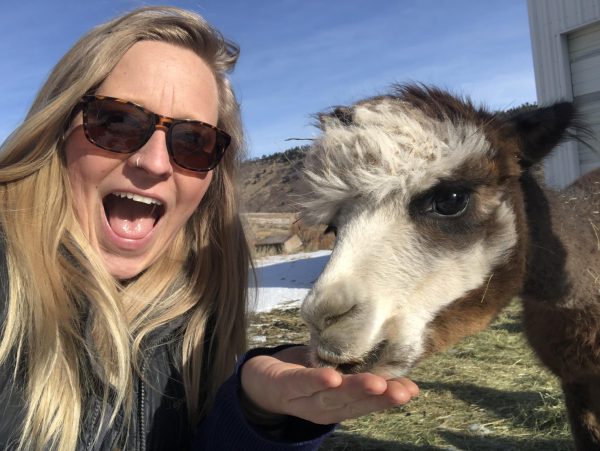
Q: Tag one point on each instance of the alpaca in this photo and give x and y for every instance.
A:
(440, 223)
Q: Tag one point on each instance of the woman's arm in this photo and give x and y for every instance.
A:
(275, 402)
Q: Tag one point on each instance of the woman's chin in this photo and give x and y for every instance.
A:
(124, 268)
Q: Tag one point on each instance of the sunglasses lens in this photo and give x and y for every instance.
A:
(195, 146)
(116, 126)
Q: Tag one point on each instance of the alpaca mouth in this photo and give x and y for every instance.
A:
(360, 365)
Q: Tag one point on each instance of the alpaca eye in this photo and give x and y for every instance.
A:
(450, 203)
(330, 229)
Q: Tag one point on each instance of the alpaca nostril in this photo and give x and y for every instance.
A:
(328, 304)
(332, 319)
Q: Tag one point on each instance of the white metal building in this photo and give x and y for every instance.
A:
(565, 39)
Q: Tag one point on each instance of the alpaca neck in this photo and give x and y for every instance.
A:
(545, 277)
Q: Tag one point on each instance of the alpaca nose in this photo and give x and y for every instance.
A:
(325, 307)
(333, 318)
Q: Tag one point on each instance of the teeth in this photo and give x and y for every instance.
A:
(138, 198)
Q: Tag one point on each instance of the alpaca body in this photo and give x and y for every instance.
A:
(561, 297)
(561, 294)
(439, 225)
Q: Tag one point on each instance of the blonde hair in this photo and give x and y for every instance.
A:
(65, 313)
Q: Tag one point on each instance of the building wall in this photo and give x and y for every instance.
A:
(550, 23)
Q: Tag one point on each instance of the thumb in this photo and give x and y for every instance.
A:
(308, 381)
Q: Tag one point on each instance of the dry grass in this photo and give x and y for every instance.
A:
(487, 393)
(259, 226)
(313, 236)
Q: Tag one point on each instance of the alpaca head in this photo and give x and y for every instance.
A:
(422, 190)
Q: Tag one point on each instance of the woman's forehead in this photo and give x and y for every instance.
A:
(168, 79)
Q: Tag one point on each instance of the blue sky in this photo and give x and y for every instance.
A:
(300, 57)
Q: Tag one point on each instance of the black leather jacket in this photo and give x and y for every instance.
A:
(159, 417)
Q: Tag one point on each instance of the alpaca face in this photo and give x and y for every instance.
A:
(423, 218)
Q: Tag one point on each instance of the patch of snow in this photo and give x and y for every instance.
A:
(282, 281)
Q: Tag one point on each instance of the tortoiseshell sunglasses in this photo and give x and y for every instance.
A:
(121, 126)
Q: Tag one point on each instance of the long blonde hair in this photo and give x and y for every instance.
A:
(56, 279)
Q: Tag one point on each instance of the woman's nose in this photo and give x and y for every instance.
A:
(153, 156)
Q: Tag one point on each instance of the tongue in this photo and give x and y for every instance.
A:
(130, 219)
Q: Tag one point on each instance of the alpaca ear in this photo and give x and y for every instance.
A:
(339, 116)
(540, 130)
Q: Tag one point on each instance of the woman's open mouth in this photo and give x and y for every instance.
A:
(132, 216)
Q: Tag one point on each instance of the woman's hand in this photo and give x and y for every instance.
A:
(283, 384)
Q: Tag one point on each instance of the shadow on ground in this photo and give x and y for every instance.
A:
(456, 442)
(517, 407)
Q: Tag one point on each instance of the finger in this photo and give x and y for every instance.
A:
(407, 384)
(308, 409)
(396, 395)
(325, 410)
(392, 398)
(356, 387)
(302, 384)
(392, 394)
(364, 384)
(353, 388)
(305, 382)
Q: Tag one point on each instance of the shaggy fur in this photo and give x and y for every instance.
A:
(407, 279)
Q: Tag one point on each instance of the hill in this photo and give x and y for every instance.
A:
(273, 184)
(272, 188)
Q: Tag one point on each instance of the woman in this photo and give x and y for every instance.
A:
(125, 264)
